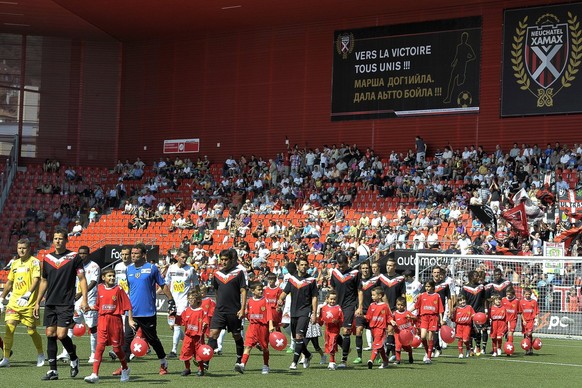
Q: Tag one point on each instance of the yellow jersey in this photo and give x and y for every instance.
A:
(22, 274)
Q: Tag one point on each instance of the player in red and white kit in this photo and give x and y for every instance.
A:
(272, 293)
(260, 325)
(430, 310)
(498, 317)
(528, 308)
(180, 278)
(195, 322)
(378, 317)
(111, 303)
(463, 318)
(403, 319)
(332, 316)
(511, 304)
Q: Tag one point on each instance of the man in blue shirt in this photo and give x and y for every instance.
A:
(142, 279)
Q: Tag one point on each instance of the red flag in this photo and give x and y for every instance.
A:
(517, 218)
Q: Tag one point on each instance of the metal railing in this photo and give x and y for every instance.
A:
(9, 172)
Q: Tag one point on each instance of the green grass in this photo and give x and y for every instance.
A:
(557, 364)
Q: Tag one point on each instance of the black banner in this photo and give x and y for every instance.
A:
(542, 54)
(404, 70)
(112, 253)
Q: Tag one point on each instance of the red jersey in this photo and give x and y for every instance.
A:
(332, 317)
(112, 301)
(259, 311)
(194, 321)
(497, 313)
(511, 308)
(404, 320)
(528, 309)
(272, 295)
(429, 304)
(208, 304)
(463, 315)
(378, 315)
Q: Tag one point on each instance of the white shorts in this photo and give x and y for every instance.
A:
(89, 318)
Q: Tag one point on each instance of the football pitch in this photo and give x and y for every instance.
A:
(557, 364)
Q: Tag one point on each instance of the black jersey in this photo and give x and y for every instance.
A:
(228, 286)
(394, 287)
(346, 286)
(476, 296)
(302, 291)
(497, 288)
(60, 272)
(366, 286)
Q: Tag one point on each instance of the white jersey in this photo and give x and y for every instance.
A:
(121, 276)
(92, 273)
(412, 291)
(180, 280)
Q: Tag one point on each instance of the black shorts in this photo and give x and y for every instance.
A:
(361, 321)
(60, 316)
(349, 314)
(299, 326)
(226, 321)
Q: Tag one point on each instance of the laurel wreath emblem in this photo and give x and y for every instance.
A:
(574, 61)
(576, 56)
(517, 57)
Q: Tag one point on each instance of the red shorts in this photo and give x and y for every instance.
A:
(527, 326)
(378, 337)
(331, 342)
(190, 347)
(463, 332)
(511, 326)
(429, 322)
(257, 334)
(498, 329)
(110, 330)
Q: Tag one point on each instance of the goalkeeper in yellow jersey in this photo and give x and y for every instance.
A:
(23, 281)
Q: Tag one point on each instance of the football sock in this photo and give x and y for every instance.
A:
(369, 337)
(8, 339)
(374, 354)
(436, 343)
(298, 350)
(510, 338)
(121, 356)
(1, 343)
(398, 354)
(315, 342)
(332, 357)
(69, 347)
(93, 339)
(359, 345)
(390, 344)
(484, 338)
(240, 348)
(51, 351)
(221, 338)
(425, 345)
(98, 357)
(245, 358)
(176, 338)
(212, 343)
(430, 347)
(345, 347)
(460, 346)
(384, 356)
(187, 364)
(36, 340)
(266, 357)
